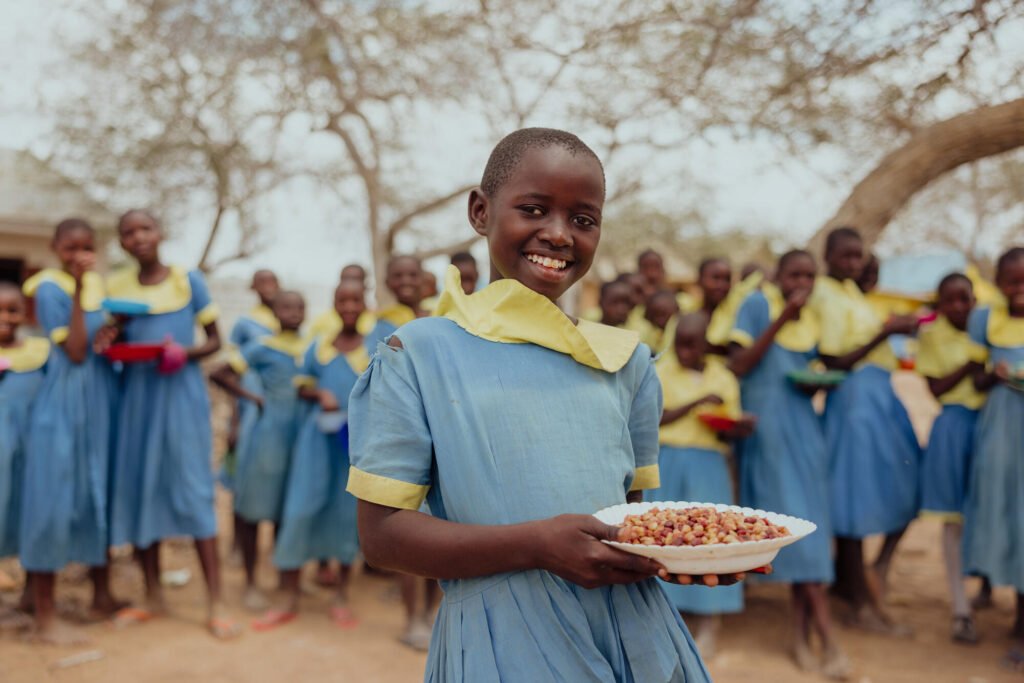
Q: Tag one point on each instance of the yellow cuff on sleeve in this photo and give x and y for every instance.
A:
(742, 338)
(942, 516)
(208, 314)
(392, 493)
(647, 477)
(301, 381)
(59, 335)
(977, 352)
(236, 361)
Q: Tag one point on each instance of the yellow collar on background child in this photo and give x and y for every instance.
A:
(262, 315)
(30, 355)
(173, 294)
(508, 312)
(1004, 330)
(358, 358)
(288, 342)
(397, 315)
(799, 335)
(724, 317)
(92, 286)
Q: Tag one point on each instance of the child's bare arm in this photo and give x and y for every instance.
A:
(568, 545)
(984, 380)
(208, 347)
(940, 385)
(672, 414)
(743, 360)
(901, 324)
(228, 380)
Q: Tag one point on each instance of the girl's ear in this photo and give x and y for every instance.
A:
(479, 206)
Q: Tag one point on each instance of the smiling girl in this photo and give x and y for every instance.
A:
(516, 423)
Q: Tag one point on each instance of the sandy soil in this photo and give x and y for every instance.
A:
(754, 645)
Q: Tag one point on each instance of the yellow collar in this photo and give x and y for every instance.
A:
(397, 315)
(290, 343)
(262, 315)
(92, 286)
(358, 358)
(30, 355)
(1004, 330)
(508, 312)
(799, 335)
(173, 294)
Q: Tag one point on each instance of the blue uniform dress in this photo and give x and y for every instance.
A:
(994, 519)
(19, 385)
(265, 450)
(874, 455)
(163, 476)
(259, 322)
(391, 318)
(693, 465)
(784, 463)
(942, 350)
(509, 415)
(319, 519)
(65, 503)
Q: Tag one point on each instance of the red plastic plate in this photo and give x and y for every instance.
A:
(134, 353)
(719, 423)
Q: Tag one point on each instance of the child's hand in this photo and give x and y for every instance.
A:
(81, 264)
(1002, 371)
(902, 324)
(796, 301)
(104, 338)
(711, 400)
(258, 401)
(328, 401)
(570, 546)
(173, 358)
(743, 428)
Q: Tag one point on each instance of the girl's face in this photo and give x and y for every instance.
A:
(846, 260)
(73, 243)
(715, 281)
(798, 274)
(290, 310)
(868, 280)
(469, 276)
(349, 303)
(660, 310)
(1010, 280)
(405, 280)
(140, 236)
(616, 304)
(653, 269)
(266, 286)
(691, 346)
(956, 299)
(543, 225)
(12, 314)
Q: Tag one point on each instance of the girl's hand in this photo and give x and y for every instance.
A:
(711, 400)
(173, 358)
(570, 546)
(901, 324)
(744, 427)
(328, 401)
(1002, 371)
(104, 338)
(81, 264)
(796, 301)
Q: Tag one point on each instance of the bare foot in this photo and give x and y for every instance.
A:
(220, 625)
(804, 657)
(873, 620)
(836, 665)
(254, 600)
(417, 636)
(132, 616)
(273, 618)
(58, 632)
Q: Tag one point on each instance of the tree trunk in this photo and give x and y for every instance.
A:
(928, 154)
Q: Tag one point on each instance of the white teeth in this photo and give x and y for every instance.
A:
(546, 261)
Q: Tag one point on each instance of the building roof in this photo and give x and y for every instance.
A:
(34, 197)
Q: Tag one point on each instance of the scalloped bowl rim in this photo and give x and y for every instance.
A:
(798, 528)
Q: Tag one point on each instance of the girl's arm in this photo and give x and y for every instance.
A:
(568, 545)
(900, 324)
(984, 381)
(76, 346)
(227, 379)
(672, 414)
(742, 361)
(326, 399)
(208, 347)
(941, 385)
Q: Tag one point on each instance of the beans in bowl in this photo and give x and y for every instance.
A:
(696, 526)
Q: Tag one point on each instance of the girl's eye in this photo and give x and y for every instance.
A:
(532, 210)
(584, 221)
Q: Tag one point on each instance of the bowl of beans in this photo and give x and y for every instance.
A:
(703, 538)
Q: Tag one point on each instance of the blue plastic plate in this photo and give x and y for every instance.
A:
(125, 307)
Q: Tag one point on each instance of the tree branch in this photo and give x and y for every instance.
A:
(403, 221)
(448, 249)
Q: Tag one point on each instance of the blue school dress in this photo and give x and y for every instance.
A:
(693, 466)
(65, 503)
(259, 322)
(19, 385)
(784, 463)
(319, 519)
(942, 350)
(163, 477)
(874, 456)
(994, 513)
(501, 411)
(264, 451)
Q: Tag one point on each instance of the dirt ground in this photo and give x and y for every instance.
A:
(754, 645)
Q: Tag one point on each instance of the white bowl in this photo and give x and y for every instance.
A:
(331, 422)
(717, 558)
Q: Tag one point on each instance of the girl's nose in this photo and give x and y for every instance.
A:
(557, 233)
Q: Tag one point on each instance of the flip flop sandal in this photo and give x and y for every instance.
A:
(343, 617)
(223, 628)
(272, 619)
(130, 616)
